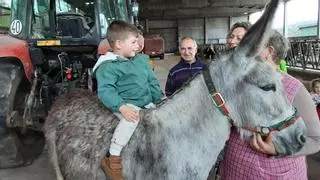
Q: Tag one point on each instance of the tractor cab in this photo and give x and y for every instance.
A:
(70, 21)
(51, 47)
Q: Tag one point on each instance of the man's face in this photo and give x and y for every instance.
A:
(129, 46)
(188, 50)
(235, 37)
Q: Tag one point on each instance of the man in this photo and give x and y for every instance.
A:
(186, 68)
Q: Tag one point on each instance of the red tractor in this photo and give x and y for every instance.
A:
(51, 47)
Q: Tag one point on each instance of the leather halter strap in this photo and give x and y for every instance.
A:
(214, 95)
(265, 131)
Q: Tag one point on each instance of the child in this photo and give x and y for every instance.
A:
(316, 94)
(316, 91)
(126, 83)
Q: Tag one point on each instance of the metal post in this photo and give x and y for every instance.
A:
(318, 21)
(147, 25)
(177, 29)
(129, 5)
(285, 14)
(205, 30)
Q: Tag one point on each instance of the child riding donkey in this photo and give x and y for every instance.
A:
(126, 83)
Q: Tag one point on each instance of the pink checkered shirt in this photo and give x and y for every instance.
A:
(241, 162)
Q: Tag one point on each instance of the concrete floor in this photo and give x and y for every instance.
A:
(41, 169)
(313, 162)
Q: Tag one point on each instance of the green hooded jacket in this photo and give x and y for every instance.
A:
(122, 81)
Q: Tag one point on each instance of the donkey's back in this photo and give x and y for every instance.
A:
(80, 143)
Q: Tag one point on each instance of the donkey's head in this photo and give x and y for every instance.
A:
(254, 92)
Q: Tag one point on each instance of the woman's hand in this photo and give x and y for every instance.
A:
(265, 146)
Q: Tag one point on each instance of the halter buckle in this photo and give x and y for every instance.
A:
(218, 100)
(264, 130)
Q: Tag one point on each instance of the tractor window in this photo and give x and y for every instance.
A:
(74, 19)
(40, 19)
(4, 16)
(62, 6)
(65, 18)
(18, 26)
(120, 9)
(111, 10)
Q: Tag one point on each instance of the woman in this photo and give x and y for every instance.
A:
(236, 33)
(257, 159)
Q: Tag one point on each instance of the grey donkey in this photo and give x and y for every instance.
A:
(182, 137)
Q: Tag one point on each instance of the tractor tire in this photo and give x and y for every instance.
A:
(15, 148)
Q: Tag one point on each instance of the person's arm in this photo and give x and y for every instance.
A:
(170, 85)
(107, 92)
(154, 84)
(307, 110)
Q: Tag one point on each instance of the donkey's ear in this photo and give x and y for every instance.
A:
(255, 37)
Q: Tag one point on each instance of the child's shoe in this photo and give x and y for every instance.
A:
(112, 167)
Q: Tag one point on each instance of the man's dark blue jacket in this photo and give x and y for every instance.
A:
(180, 73)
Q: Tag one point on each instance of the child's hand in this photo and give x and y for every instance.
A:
(128, 113)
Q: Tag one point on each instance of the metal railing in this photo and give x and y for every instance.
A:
(209, 51)
(304, 53)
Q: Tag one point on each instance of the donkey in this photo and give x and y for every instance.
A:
(182, 137)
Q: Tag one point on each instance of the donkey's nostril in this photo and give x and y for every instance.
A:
(301, 139)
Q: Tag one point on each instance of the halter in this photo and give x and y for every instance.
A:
(219, 102)
(265, 131)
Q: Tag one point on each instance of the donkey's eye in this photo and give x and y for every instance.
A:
(269, 87)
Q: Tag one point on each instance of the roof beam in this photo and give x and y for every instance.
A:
(172, 9)
(195, 13)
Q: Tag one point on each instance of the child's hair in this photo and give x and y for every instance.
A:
(120, 30)
(314, 83)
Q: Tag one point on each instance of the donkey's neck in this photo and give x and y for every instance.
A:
(191, 131)
(191, 105)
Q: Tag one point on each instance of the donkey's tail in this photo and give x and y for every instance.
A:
(52, 149)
